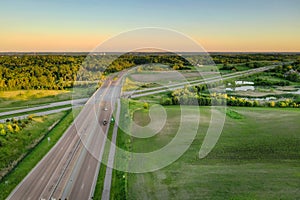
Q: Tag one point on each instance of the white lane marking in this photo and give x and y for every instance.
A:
(82, 186)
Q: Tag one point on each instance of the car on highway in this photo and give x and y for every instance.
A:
(104, 122)
(105, 109)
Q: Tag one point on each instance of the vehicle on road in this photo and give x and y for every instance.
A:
(104, 122)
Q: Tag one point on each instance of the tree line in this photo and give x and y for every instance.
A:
(236, 58)
(60, 71)
(38, 72)
(199, 96)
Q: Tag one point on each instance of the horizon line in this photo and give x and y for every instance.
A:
(32, 52)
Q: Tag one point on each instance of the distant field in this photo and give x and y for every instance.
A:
(30, 94)
(164, 76)
(147, 78)
(256, 157)
(17, 99)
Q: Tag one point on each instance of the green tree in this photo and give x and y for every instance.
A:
(146, 105)
(3, 132)
(10, 128)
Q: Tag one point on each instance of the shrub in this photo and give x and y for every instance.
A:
(146, 105)
(23, 125)
(14, 120)
(282, 104)
(272, 104)
(255, 103)
(10, 128)
(30, 117)
(3, 132)
(166, 101)
(17, 128)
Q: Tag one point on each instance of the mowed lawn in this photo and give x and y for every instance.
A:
(18, 99)
(256, 157)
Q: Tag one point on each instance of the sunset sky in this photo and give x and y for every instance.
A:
(218, 25)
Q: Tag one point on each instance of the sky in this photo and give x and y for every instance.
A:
(217, 25)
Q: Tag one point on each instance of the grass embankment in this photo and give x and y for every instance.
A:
(131, 85)
(14, 145)
(256, 157)
(18, 99)
(102, 171)
(36, 153)
(119, 178)
(30, 94)
(11, 100)
(35, 111)
(119, 186)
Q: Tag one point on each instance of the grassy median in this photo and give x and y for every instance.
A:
(102, 170)
(21, 99)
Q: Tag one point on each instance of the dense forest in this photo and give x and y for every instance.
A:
(60, 71)
(30, 71)
(38, 72)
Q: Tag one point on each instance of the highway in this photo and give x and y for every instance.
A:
(69, 170)
(160, 89)
(111, 157)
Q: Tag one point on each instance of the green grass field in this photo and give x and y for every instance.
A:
(28, 98)
(14, 145)
(256, 157)
(18, 99)
(35, 153)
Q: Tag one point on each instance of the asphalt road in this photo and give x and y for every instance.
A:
(69, 170)
(37, 114)
(156, 90)
(111, 156)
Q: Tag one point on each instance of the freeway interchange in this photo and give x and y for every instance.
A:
(70, 169)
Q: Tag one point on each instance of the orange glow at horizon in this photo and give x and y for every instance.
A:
(73, 43)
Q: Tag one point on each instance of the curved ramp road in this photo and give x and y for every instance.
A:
(160, 89)
(51, 105)
(37, 114)
(69, 170)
